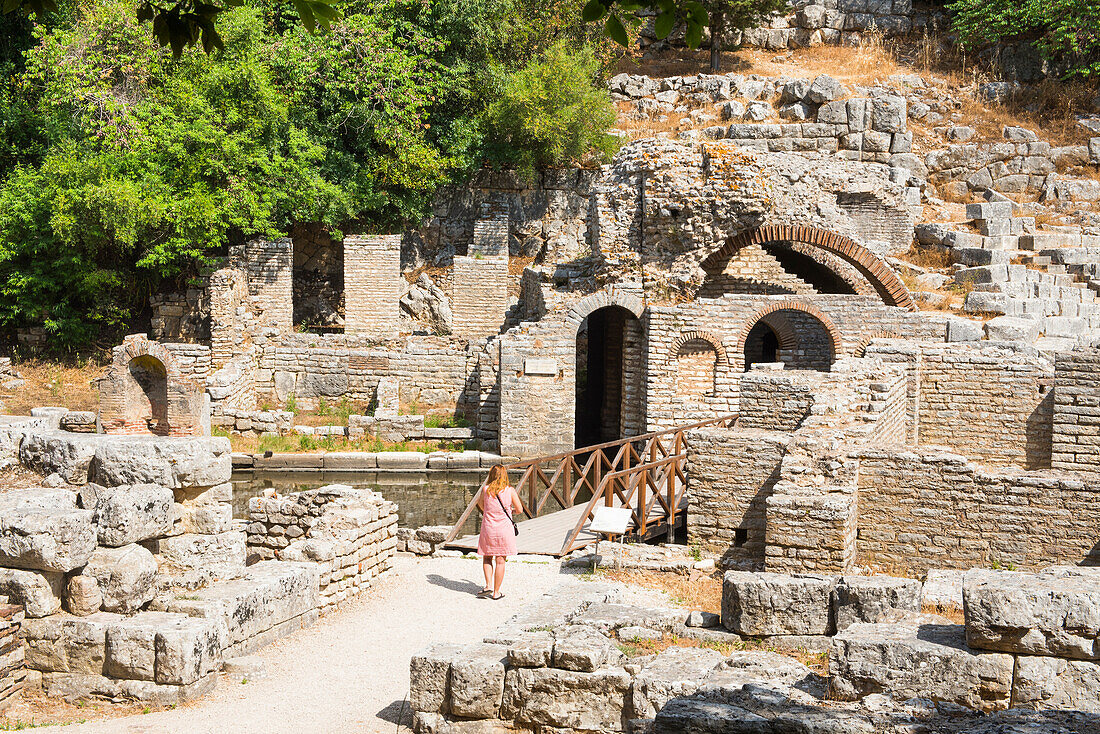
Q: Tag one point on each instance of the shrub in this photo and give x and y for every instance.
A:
(554, 112)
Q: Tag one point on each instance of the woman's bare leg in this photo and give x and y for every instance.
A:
(499, 577)
(487, 567)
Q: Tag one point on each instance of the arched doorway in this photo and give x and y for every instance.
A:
(148, 399)
(792, 334)
(608, 364)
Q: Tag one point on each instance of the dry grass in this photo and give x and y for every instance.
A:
(18, 477)
(695, 591)
(952, 613)
(325, 444)
(35, 709)
(818, 662)
(54, 383)
(933, 258)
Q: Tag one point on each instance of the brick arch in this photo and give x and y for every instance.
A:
(885, 281)
(138, 345)
(706, 336)
(784, 332)
(588, 305)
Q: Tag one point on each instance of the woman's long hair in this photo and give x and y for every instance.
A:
(497, 481)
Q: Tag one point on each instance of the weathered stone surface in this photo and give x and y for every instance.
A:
(692, 716)
(888, 114)
(1056, 612)
(675, 672)
(77, 686)
(41, 529)
(38, 591)
(609, 617)
(222, 554)
(751, 668)
(776, 604)
(943, 588)
(82, 596)
(60, 452)
(532, 650)
(873, 598)
(477, 681)
(68, 644)
(565, 698)
(168, 462)
(428, 673)
(923, 658)
(188, 648)
(583, 648)
(269, 593)
(125, 515)
(245, 668)
(1012, 329)
(638, 634)
(125, 576)
(1054, 683)
(825, 89)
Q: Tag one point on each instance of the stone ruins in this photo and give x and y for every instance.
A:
(906, 490)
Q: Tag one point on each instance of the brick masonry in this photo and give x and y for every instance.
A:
(1076, 430)
(479, 300)
(373, 285)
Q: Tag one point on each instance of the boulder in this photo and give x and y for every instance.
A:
(1055, 612)
(42, 529)
(825, 89)
(776, 604)
(1054, 683)
(873, 598)
(174, 463)
(38, 591)
(82, 596)
(125, 576)
(925, 657)
(549, 697)
(131, 514)
(675, 672)
(583, 648)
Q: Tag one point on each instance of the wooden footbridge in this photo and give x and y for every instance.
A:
(560, 492)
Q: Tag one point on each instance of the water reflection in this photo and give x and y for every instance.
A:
(423, 498)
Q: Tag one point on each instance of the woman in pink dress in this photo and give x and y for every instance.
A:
(497, 540)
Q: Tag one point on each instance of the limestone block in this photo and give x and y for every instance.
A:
(675, 672)
(477, 681)
(1012, 329)
(550, 697)
(73, 686)
(131, 514)
(82, 596)
(918, 659)
(985, 302)
(825, 89)
(961, 329)
(68, 644)
(41, 529)
(223, 554)
(79, 421)
(125, 576)
(174, 463)
(776, 604)
(60, 452)
(888, 114)
(754, 668)
(1054, 683)
(532, 650)
(188, 649)
(212, 519)
(1056, 612)
(794, 91)
(873, 598)
(691, 716)
(130, 651)
(582, 648)
(989, 210)
(429, 671)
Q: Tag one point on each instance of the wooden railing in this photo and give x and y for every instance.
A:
(643, 472)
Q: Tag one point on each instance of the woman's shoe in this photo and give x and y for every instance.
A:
(497, 597)
(484, 593)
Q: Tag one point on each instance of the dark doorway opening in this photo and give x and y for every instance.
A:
(761, 346)
(602, 365)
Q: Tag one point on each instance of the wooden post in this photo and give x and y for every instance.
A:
(643, 516)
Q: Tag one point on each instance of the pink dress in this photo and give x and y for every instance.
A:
(497, 537)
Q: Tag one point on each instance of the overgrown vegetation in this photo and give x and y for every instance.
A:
(122, 166)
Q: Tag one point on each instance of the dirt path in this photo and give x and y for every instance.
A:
(350, 671)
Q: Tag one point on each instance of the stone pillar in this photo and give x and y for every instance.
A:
(538, 391)
(479, 300)
(270, 267)
(811, 533)
(372, 285)
(490, 237)
(1075, 445)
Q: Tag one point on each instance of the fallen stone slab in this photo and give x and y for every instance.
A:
(761, 604)
(174, 463)
(38, 591)
(131, 514)
(925, 657)
(1055, 612)
(125, 576)
(551, 697)
(1054, 683)
(675, 672)
(873, 598)
(60, 452)
(41, 529)
(272, 599)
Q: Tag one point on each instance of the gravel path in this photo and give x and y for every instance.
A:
(350, 671)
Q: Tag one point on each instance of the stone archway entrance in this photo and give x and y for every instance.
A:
(608, 364)
(147, 401)
(799, 336)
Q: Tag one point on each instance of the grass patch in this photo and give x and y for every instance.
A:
(445, 421)
(695, 591)
(323, 444)
(67, 383)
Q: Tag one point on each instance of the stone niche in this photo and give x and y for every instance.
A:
(144, 392)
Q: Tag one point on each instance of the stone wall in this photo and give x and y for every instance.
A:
(538, 382)
(270, 269)
(991, 401)
(774, 400)
(479, 301)
(231, 324)
(349, 533)
(181, 316)
(933, 509)
(373, 285)
(1076, 429)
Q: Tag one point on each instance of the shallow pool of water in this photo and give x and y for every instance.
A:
(423, 498)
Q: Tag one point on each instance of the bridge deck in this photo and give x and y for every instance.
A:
(546, 535)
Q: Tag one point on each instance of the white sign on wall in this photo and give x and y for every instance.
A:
(540, 367)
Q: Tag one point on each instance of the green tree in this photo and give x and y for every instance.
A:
(1064, 31)
(553, 112)
(727, 15)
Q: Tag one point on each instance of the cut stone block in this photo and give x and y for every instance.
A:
(1054, 683)
(532, 650)
(75, 686)
(549, 697)
(222, 554)
(776, 604)
(125, 576)
(41, 529)
(68, 644)
(1012, 329)
(167, 462)
(675, 672)
(82, 596)
(583, 648)
(477, 681)
(429, 671)
(1056, 612)
(125, 515)
(38, 591)
(873, 598)
(918, 659)
(60, 452)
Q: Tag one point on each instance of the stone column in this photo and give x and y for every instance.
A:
(372, 285)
